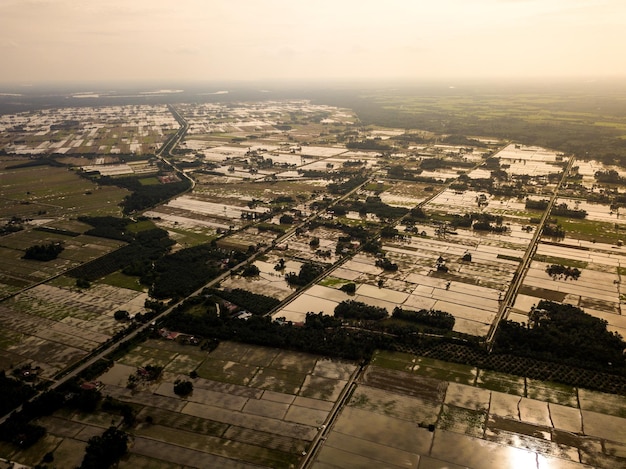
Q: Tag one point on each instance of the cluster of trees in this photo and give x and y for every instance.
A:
(469, 219)
(562, 271)
(286, 219)
(136, 258)
(144, 196)
(437, 163)
(105, 450)
(121, 315)
(308, 272)
(255, 303)
(179, 274)
(536, 204)
(389, 232)
(356, 232)
(146, 373)
(169, 276)
(386, 264)
(183, 387)
(109, 227)
(13, 225)
(368, 144)
(250, 270)
(18, 428)
(351, 309)
(13, 392)
(553, 231)
(402, 172)
(346, 186)
(416, 214)
(427, 317)
(564, 333)
(609, 176)
(563, 210)
(349, 288)
(43, 252)
(373, 205)
(479, 222)
(486, 226)
(320, 333)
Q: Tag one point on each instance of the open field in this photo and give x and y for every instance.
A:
(261, 170)
(409, 411)
(87, 130)
(53, 327)
(45, 192)
(250, 407)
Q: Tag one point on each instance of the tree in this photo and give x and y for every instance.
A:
(357, 310)
(286, 220)
(562, 271)
(250, 270)
(105, 450)
(183, 388)
(349, 288)
(43, 252)
(562, 332)
(280, 265)
(121, 315)
(308, 272)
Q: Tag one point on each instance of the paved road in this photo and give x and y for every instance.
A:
(509, 298)
(325, 429)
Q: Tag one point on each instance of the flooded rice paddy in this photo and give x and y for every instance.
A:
(260, 407)
(250, 407)
(411, 412)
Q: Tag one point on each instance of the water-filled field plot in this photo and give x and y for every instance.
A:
(268, 420)
(405, 411)
(52, 327)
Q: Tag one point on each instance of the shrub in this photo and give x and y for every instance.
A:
(43, 252)
(183, 388)
(349, 288)
(121, 315)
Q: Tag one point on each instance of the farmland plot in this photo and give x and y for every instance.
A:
(250, 407)
(409, 411)
(52, 327)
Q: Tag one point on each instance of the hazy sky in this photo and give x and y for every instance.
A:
(192, 40)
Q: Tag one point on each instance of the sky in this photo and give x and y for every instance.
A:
(308, 40)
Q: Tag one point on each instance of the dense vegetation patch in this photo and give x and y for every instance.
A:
(44, 252)
(558, 271)
(563, 210)
(609, 176)
(563, 333)
(351, 309)
(572, 124)
(340, 188)
(105, 450)
(136, 258)
(427, 317)
(308, 272)
(252, 302)
(14, 225)
(179, 274)
(144, 196)
(320, 333)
